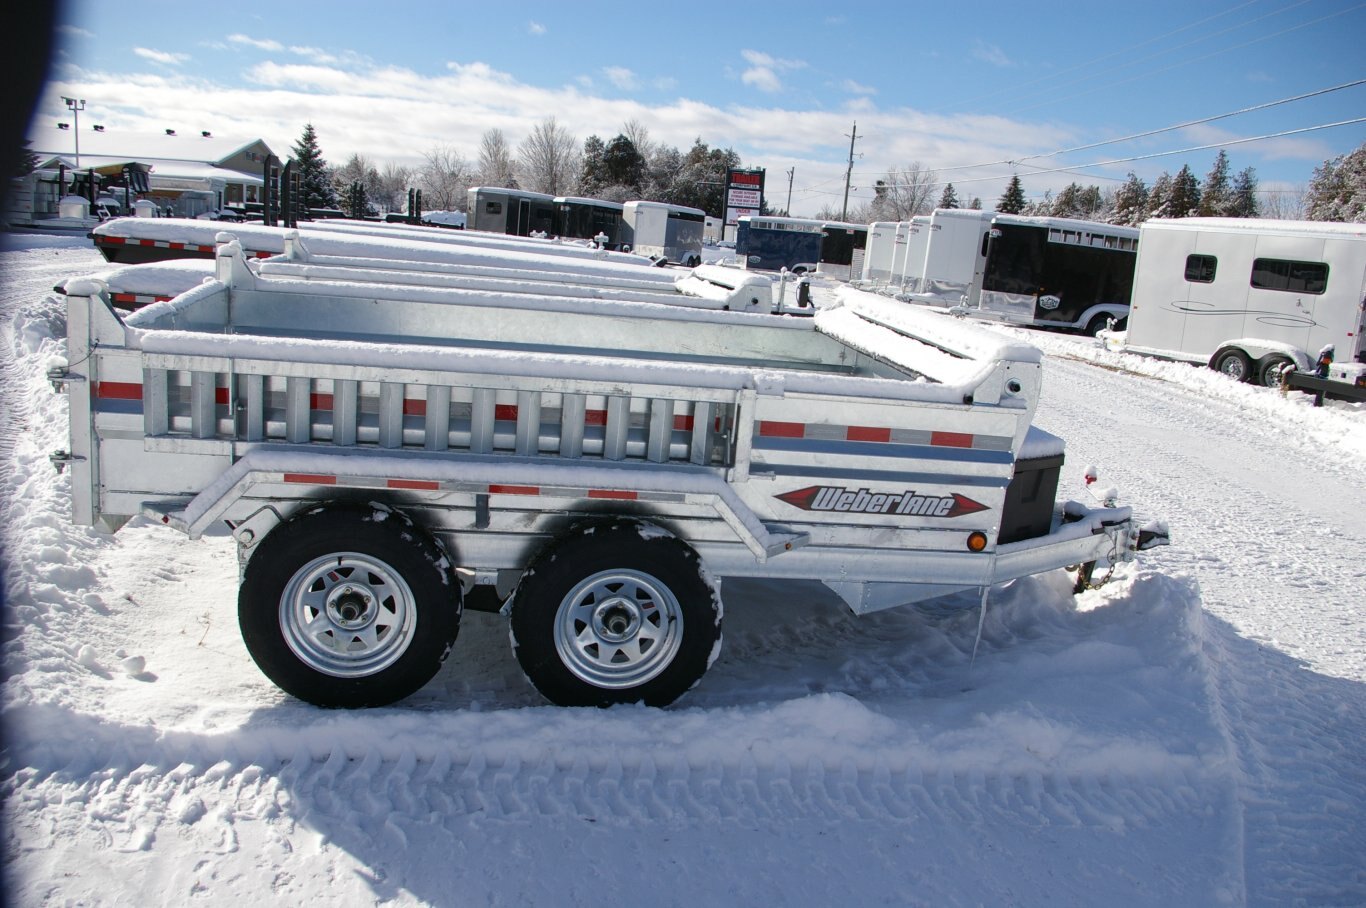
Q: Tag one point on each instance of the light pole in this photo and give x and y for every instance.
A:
(76, 106)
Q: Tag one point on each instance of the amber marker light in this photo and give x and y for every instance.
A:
(977, 541)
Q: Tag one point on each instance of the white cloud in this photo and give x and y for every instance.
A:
(535, 28)
(258, 43)
(74, 31)
(853, 87)
(764, 69)
(165, 58)
(621, 77)
(990, 53)
(316, 54)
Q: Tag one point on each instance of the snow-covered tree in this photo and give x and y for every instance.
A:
(357, 169)
(354, 200)
(1337, 191)
(624, 164)
(315, 182)
(1185, 196)
(392, 193)
(496, 166)
(446, 178)
(906, 192)
(701, 181)
(976, 203)
(949, 199)
(548, 159)
(1216, 193)
(1159, 197)
(1012, 201)
(1131, 202)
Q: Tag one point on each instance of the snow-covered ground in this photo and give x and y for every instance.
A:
(1191, 734)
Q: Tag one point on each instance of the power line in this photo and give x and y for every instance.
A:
(1149, 133)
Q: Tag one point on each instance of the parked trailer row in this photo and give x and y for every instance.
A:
(382, 451)
(801, 245)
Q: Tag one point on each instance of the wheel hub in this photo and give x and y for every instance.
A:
(616, 620)
(351, 607)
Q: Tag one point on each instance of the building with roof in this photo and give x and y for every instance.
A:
(183, 173)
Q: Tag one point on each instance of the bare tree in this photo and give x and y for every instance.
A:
(496, 166)
(548, 159)
(635, 130)
(906, 192)
(1282, 204)
(394, 181)
(445, 178)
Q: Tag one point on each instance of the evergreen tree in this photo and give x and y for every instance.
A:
(28, 160)
(1012, 201)
(624, 164)
(1159, 197)
(1243, 195)
(1338, 190)
(1185, 197)
(1216, 195)
(1067, 204)
(1090, 203)
(1131, 202)
(314, 180)
(949, 199)
(976, 203)
(594, 178)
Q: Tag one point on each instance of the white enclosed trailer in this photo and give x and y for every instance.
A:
(1249, 297)
(379, 452)
(912, 239)
(880, 253)
(669, 233)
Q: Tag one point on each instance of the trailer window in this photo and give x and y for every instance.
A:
(493, 207)
(1200, 268)
(1293, 277)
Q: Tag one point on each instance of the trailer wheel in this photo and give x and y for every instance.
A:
(1270, 368)
(1097, 324)
(1232, 362)
(349, 606)
(615, 613)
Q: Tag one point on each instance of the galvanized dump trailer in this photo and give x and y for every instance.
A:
(383, 454)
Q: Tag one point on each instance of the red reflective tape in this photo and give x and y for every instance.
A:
(423, 484)
(147, 242)
(414, 407)
(125, 297)
(868, 433)
(615, 494)
(220, 396)
(772, 429)
(111, 240)
(175, 245)
(683, 423)
(320, 402)
(507, 412)
(595, 417)
(951, 439)
(311, 479)
(514, 490)
(118, 390)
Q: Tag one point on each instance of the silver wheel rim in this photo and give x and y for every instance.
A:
(347, 615)
(618, 629)
(1232, 366)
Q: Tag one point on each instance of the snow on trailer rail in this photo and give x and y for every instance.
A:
(380, 451)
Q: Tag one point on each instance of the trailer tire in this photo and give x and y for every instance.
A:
(1232, 362)
(1270, 367)
(1097, 324)
(615, 612)
(349, 606)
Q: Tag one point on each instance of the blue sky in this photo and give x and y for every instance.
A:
(974, 91)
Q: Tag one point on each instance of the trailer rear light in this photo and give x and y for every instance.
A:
(977, 541)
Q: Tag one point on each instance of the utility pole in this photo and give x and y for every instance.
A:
(848, 174)
(792, 170)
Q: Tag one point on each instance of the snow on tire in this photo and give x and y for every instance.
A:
(615, 613)
(349, 606)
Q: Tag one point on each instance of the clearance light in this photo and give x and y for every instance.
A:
(977, 541)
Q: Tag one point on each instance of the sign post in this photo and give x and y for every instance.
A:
(744, 195)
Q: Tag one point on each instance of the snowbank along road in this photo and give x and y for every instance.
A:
(1191, 734)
